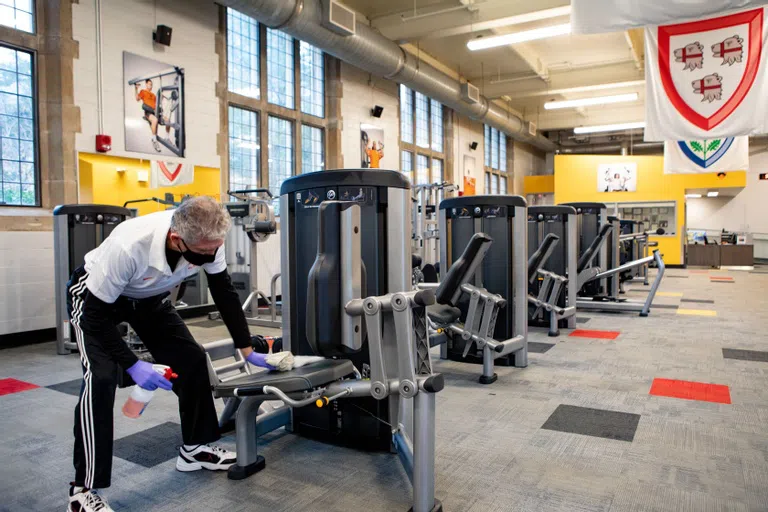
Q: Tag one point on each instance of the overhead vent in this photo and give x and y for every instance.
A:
(470, 93)
(338, 17)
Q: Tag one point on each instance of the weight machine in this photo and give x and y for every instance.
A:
(426, 234)
(171, 115)
(253, 212)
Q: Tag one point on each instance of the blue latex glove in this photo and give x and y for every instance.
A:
(258, 359)
(147, 378)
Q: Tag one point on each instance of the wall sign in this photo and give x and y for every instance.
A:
(619, 177)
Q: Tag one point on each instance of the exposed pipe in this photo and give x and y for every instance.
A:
(610, 148)
(371, 51)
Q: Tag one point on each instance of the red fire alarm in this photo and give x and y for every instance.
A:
(103, 143)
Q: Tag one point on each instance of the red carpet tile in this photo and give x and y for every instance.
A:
(720, 278)
(8, 386)
(603, 335)
(686, 390)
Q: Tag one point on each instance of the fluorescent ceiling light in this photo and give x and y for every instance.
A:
(713, 194)
(609, 127)
(484, 43)
(693, 196)
(586, 102)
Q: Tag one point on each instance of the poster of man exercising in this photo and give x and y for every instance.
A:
(154, 106)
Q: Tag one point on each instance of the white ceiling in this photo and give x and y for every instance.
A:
(522, 74)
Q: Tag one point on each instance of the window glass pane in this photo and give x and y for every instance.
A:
(312, 149)
(437, 170)
(422, 170)
(422, 120)
(487, 146)
(406, 163)
(244, 149)
(242, 54)
(312, 80)
(503, 186)
(494, 183)
(279, 68)
(487, 189)
(502, 152)
(436, 114)
(280, 156)
(406, 114)
(494, 148)
(19, 14)
(18, 130)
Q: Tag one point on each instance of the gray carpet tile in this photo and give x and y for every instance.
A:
(70, 387)
(536, 347)
(698, 301)
(664, 306)
(491, 453)
(669, 276)
(616, 425)
(745, 355)
(723, 282)
(152, 446)
(582, 319)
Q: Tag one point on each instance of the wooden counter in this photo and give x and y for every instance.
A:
(700, 255)
(737, 255)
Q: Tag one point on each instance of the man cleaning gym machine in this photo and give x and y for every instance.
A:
(128, 278)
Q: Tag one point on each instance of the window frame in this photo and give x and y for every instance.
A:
(417, 150)
(496, 173)
(265, 109)
(35, 123)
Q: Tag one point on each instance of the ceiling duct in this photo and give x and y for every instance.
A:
(374, 53)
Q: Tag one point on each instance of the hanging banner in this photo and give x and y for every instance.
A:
(707, 79)
(701, 156)
(597, 16)
(619, 177)
(170, 174)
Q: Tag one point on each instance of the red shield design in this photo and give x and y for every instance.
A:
(171, 175)
(754, 19)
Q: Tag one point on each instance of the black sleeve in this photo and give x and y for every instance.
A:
(98, 321)
(228, 303)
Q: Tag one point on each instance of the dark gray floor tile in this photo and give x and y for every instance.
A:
(698, 301)
(534, 347)
(593, 422)
(664, 306)
(582, 319)
(675, 277)
(70, 387)
(150, 447)
(744, 355)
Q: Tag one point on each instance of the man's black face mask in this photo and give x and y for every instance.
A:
(196, 258)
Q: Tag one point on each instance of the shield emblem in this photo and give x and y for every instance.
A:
(705, 153)
(707, 67)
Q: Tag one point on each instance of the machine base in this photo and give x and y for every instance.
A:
(241, 472)
(437, 508)
(643, 314)
(488, 380)
(553, 334)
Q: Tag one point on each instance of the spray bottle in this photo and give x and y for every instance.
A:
(140, 397)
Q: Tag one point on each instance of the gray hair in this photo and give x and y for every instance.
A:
(199, 219)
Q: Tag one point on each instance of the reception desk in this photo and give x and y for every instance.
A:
(699, 255)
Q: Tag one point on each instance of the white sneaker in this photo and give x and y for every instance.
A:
(86, 500)
(205, 456)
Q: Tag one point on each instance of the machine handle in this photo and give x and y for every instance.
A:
(263, 226)
(251, 191)
(155, 199)
(424, 297)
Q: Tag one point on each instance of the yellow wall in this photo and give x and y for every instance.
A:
(101, 183)
(576, 181)
(539, 184)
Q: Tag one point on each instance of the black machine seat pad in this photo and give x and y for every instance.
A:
(299, 379)
(443, 313)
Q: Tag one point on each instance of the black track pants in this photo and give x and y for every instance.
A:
(166, 336)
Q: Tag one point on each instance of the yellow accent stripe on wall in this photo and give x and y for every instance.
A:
(696, 312)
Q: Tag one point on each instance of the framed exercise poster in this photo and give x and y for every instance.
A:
(154, 106)
(619, 177)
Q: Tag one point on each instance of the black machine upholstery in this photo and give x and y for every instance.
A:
(539, 257)
(588, 255)
(443, 313)
(415, 260)
(299, 379)
(324, 304)
(456, 275)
